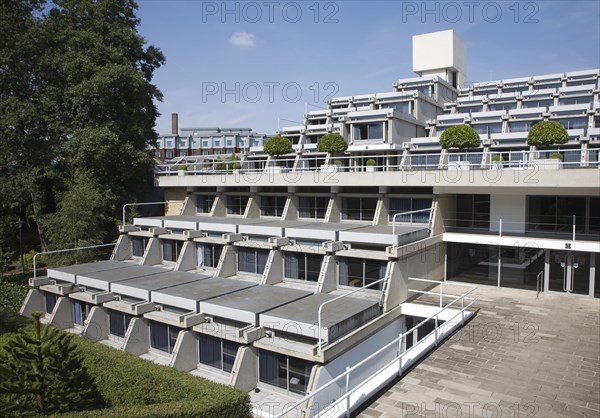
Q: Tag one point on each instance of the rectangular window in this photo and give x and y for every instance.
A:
(138, 245)
(473, 211)
(312, 207)
(289, 373)
(272, 205)
(81, 311)
(216, 352)
(365, 131)
(359, 208)
(359, 272)
(409, 204)
(163, 337)
(236, 205)
(252, 260)
(208, 255)
(555, 213)
(204, 203)
(50, 300)
(118, 323)
(171, 250)
(302, 266)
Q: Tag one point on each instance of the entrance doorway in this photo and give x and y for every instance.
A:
(569, 272)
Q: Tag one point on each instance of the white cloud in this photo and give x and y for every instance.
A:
(242, 39)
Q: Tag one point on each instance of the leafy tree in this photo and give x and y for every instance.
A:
(332, 143)
(547, 133)
(5, 260)
(41, 373)
(76, 94)
(278, 145)
(460, 136)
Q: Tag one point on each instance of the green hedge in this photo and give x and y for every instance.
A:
(134, 387)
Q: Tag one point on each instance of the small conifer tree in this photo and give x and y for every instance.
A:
(41, 372)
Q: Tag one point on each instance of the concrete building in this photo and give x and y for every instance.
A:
(294, 278)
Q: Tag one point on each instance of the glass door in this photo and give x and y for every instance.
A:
(569, 272)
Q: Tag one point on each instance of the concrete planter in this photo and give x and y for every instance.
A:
(548, 163)
(370, 169)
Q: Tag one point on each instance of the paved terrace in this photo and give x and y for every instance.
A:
(519, 357)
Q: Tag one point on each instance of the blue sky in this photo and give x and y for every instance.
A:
(250, 64)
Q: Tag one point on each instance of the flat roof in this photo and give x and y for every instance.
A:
(188, 296)
(246, 306)
(141, 287)
(69, 273)
(103, 279)
(301, 317)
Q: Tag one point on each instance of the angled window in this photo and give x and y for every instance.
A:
(359, 272)
(217, 352)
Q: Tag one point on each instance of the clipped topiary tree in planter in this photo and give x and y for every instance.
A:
(460, 136)
(332, 143)
(546, 133)
(278, 145)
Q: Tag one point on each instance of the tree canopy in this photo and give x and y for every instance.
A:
(460, 136)
(278, 145)
(333, 142)
(547, 133)
(77, 113)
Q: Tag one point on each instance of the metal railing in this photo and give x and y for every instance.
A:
(65, 251)
(392, 161)
(139, 204)
(503, 228)
(539, 283)
(338, 298)
(398, 342)
(394, 240)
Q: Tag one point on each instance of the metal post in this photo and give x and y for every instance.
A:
(347, 390)
(462, 308)
(573, 227)
(441, 294)
(500, 228)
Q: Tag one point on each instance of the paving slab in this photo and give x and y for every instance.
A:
(520, 356)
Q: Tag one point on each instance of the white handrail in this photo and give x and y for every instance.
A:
(384, 348)
(394, 243)
(340, 297)
(139, 204)
(64, 251)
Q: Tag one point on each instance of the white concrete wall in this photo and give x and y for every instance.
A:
(512, 209)
(350, 358)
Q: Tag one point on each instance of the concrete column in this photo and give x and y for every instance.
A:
(153, 253)
(290, 212)
(397, 290)
(253, 207)
(274, 268)
(137, 337)
(34, 302)
(123, 249)
(328, 277)
(62, 317)
(227, 263)
(187, 257)
(96, 327)
(219, 207)
(184, 353)
(333, 213)
(244, 375)
(381, 212)
(189, 206)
